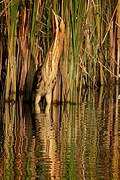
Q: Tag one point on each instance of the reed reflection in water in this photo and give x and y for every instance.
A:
(80, 141)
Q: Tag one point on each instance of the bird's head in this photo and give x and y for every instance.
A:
(59, 24)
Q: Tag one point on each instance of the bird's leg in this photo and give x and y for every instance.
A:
(48, 100)
(37, 100)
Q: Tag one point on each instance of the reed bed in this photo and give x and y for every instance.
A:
(91, 47)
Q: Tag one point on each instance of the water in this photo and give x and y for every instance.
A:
(75, 142)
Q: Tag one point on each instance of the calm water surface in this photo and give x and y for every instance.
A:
(74, 142)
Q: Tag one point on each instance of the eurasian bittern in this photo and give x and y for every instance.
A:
(45, 77)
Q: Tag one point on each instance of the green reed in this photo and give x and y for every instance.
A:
(90, 44)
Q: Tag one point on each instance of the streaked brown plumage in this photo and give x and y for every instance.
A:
(45, 76)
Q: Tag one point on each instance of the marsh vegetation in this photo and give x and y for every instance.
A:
(91, 47)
